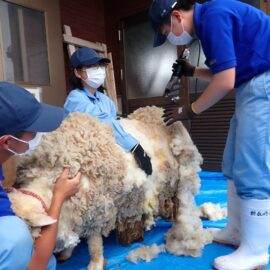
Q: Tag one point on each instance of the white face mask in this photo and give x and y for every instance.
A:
(183, 39)
(33, 144)
(95, 76)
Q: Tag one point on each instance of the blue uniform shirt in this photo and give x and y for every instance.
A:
(233, 34)
(1, 174)
(101, 107)
(5, 209)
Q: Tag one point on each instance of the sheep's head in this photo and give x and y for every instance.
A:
(29, 209)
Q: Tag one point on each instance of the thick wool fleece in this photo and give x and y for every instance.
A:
(83, 144)
(113, 188)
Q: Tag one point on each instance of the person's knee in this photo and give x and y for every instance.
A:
(21, 236)
(17, 245)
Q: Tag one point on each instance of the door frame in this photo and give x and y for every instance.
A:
(129, 105)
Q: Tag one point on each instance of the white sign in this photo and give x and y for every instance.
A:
(36, 92)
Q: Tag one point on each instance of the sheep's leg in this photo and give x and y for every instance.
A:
(95, 246)
(65, 254)
(130, 231)
(166, 209)
(176, 204)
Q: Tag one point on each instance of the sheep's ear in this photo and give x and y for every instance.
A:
(40, 220)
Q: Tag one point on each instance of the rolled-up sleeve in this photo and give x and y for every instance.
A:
(218, 41)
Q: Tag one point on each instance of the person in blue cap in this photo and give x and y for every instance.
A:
(235, 38)
(22, 121)
(89, 75)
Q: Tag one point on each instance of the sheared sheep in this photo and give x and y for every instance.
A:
(114, 192)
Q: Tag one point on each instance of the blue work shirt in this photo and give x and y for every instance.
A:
(233, 34)
(5, 205)
(101, 107)
(1, 173)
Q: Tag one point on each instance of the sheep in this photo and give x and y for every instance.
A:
(115, 193)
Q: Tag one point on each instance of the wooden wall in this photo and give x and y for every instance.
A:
(87, 21)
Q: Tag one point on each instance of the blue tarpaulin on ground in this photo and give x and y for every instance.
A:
(213, 189)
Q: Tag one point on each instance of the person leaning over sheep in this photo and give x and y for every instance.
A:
(22, 119)
(89, 75)
(235, 39)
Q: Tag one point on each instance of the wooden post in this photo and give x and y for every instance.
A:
(107, 81)
(113, 93)
(78, 42)
(110, 81)
(71, 48)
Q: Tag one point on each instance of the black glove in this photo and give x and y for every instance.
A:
(183, 68)
(174, 114)
(142, 159)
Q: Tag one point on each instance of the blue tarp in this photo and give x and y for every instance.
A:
(213, 189)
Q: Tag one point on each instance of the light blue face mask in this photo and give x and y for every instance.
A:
(183, 39)
(33, 144)
(95, 76)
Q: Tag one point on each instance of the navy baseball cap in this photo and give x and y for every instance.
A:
(160, 10)
(20, 111)
(86, 57)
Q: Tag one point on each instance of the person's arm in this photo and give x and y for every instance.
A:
(113, 109)
(182, 67)
(44, 245)
(220, 85)
(79, 102)
(203, 74)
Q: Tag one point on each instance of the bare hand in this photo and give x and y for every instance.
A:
(65, 186)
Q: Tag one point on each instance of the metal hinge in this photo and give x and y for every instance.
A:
(119, 35)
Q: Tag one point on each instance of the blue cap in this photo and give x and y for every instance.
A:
(86, 57)
(159, 10)
(20, 111)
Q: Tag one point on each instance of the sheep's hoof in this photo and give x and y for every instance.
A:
(100, 265)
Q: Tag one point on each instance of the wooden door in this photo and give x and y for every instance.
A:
(265, 6)
(145, 70)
